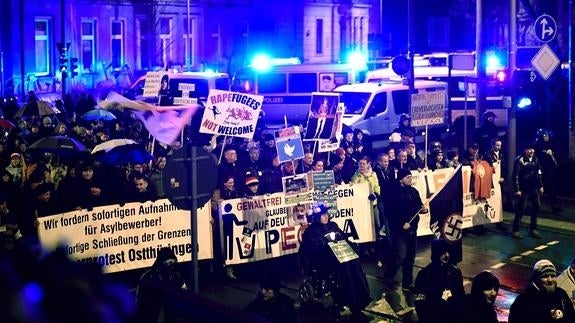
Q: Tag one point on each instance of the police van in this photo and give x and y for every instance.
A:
(287, 89)
(377, 107)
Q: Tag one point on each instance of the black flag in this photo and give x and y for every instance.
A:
(446, 211)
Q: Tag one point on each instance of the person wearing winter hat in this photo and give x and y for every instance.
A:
(405, 207)
(542, 301)
(252, 186)
(479, 304)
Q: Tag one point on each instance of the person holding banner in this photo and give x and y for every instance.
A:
(386, 179)
(405, 207)
(365, 174)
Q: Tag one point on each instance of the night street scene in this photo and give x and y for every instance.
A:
(287, 161)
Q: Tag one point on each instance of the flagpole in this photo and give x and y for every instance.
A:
(434, 195)
(222, 152)
(425, 161)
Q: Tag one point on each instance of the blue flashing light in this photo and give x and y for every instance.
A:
(493, 61)
(285, 61)
(357, 61)
(523, 103)
(262, 62)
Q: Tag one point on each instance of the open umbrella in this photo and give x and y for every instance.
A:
(39, 108)
(126, 155)
(59, 145)
(111, 144)
(98, 114)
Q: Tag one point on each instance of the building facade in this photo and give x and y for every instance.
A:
(116, 40)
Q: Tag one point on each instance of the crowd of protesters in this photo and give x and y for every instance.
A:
(45, 181)
(37, 183)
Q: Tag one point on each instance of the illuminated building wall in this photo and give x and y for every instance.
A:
(116, 40)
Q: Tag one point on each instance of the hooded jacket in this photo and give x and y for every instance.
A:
(476, 308)
(439, 291)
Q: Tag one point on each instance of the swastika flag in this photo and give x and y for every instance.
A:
(446, 211)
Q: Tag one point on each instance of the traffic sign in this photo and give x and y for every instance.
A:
(178, 183)
(545, 28)
(400, 65)
(545, 61)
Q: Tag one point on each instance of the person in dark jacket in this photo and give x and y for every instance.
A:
(154, 283)
(270, 303)
(479, 304)
(439, 291)
(542, 301)
(404, 124)
(545, 151)
(405, 207)
(486, 132)
(528, 187)
(141, 191)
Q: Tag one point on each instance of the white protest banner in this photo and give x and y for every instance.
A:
(260, 228)
(231, 114)
(125, 237)
(428, 108)
(475, 211)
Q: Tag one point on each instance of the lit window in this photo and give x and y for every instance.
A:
(143, 43)
(189, 31)
(117, 43)
(319, 36)
(166, 40)
(41, 48)
(88, 44)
